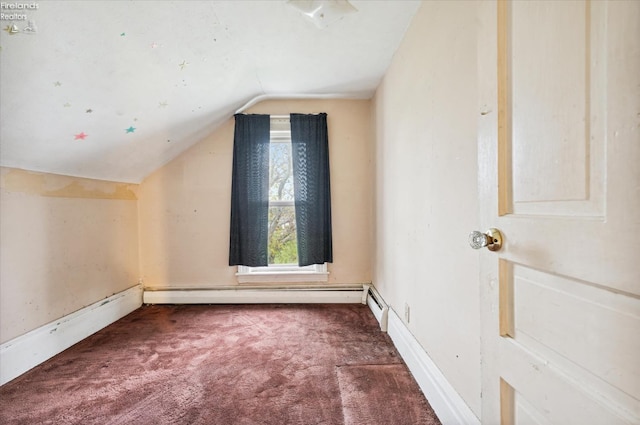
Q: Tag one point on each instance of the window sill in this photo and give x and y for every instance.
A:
(317, 273)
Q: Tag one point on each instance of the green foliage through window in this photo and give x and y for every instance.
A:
(283, 245)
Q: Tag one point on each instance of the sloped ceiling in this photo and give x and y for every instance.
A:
(113, 90)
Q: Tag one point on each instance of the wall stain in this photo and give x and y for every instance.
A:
(58, 186)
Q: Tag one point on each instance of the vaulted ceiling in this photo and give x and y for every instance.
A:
(113, 90)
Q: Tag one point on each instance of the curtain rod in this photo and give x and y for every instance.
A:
(286, 117)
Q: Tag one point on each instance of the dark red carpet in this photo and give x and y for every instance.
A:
(250, 364)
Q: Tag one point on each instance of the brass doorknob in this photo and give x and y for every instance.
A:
(492, 239)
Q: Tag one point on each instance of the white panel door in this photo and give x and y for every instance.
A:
(559, 175)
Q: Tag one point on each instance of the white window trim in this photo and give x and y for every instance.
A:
(283, 273)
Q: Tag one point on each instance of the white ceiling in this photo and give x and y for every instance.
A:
(101, 67)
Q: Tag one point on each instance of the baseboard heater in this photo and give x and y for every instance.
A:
(377, 305)
(258, 295)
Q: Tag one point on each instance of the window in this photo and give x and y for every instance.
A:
(283, 241)
(282, 237)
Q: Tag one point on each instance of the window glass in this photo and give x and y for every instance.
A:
(280, 171)
(283, 245)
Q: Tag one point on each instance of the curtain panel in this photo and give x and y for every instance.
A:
(310, 148)
(250, 191)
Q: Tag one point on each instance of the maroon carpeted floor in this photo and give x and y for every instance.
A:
(250, 364)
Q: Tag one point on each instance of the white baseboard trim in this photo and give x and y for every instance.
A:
(445, 400)
(29, 350)
(254, 296)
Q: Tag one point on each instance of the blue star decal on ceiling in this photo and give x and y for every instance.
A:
(130, 129)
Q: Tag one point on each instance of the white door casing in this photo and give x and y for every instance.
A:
(559, 175)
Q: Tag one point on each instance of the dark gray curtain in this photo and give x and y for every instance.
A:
(310, 147)
(250, 191)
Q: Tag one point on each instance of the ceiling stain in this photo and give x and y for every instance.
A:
(56, 186)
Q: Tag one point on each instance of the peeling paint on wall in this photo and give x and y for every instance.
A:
(57, 186)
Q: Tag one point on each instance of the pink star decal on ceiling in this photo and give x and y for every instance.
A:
(80, 136)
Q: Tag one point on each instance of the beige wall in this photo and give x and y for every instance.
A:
(65, 243)
(185, 206)
(68, 242)
(426, 189)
